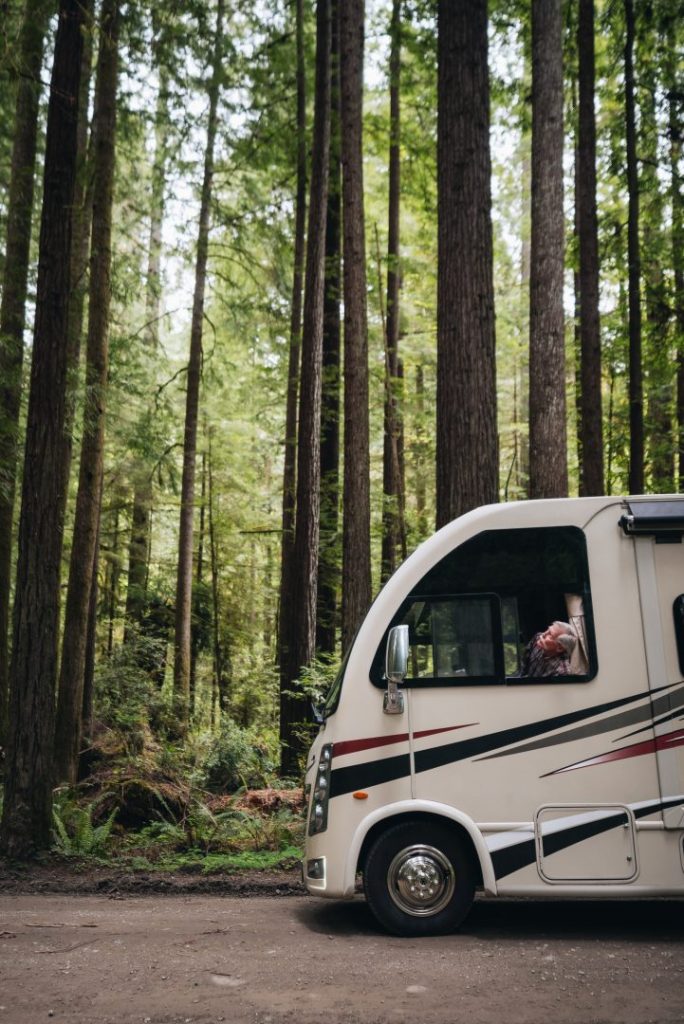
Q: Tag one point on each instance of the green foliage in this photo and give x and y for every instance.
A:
(127, 698)
(75, 834)
(236, 758)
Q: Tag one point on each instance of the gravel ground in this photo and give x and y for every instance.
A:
(189, 957)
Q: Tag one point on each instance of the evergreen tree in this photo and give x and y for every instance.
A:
(548, 439)
(27, 808)
(356, 562)
(467, 450)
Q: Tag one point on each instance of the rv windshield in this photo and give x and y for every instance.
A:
(333, 699)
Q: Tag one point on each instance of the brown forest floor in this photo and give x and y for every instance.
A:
(54, 875)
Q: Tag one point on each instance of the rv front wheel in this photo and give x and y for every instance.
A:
(419, 879)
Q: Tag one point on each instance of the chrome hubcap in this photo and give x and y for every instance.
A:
(421, 880)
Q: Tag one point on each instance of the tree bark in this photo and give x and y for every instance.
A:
(13, 307)
(328, 565)
(143, 490)
(290, 461)
(70, 697)
(421, 457)
(467, 446)
(676, 132)
(112, 581)
(199, 572)
(659, 368)
(181, 668)
(153, 288)
(590, 428)
(393, 527)
(636, 411)
(89, 670)
(26, 819)
(548, 433)
(137, 551)
(356, 560)
(221, 681)
(303, 608)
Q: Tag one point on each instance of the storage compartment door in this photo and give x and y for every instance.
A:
(585, 843)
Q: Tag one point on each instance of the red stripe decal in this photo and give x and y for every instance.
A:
(665, 742)
(353, 746)
(448, 728)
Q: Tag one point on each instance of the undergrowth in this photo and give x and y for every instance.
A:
(214, 806)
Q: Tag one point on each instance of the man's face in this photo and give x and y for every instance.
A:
(548, 641)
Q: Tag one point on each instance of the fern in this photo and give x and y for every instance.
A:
(81, 838)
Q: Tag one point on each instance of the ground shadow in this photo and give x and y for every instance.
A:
(657, 920)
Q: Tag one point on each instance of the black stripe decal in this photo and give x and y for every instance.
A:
(556, 841)
(521, 855)
(657, 805)
(370, 773)
(619, 721)
(376, 771)
(511, 858)
(679, 713)
(435, 757)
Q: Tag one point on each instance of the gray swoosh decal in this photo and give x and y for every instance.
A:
(644, 713)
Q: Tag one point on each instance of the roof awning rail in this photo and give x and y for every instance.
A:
(663, 520)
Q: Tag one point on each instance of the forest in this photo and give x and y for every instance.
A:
(284, 287)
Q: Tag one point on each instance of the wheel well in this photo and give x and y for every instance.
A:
(417, 817)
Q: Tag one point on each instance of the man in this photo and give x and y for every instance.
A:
(548, 653)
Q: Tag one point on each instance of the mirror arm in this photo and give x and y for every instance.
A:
(393, 701)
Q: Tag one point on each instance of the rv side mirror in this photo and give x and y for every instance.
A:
(396, 667)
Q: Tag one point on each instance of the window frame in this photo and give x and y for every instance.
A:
(377, 677)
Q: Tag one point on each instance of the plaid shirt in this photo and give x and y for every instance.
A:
(537, 663)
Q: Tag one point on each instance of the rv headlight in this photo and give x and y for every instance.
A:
(318, 818)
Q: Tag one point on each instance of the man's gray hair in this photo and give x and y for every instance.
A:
(568, 638)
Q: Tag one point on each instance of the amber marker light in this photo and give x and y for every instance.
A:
(360, 795)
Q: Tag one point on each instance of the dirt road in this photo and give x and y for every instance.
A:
(201, 959)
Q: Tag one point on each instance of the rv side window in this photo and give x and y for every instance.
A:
(455, 638)
(482, 614)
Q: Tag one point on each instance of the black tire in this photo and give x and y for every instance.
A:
(419, 879)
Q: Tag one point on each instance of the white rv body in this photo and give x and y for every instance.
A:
(566, 786)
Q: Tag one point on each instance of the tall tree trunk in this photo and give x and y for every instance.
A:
(181, 667)
(636, 412)
(137, 551)
(302, 611)
(89, 670)
(548, 432)
(82, 216)
(194, 645)
(393, 528)
(421, 459)
(290, 461)
(13, 307)
(589, 428)
(153, 288)
(142, 489)
(659, 367)
(220, 683)
(112, 583)
(328, 564)
(26, 818)
(70, 697)
(676, 132)
(356, 560)
(467, 447)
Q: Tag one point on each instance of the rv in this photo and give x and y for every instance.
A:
(446, 762)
